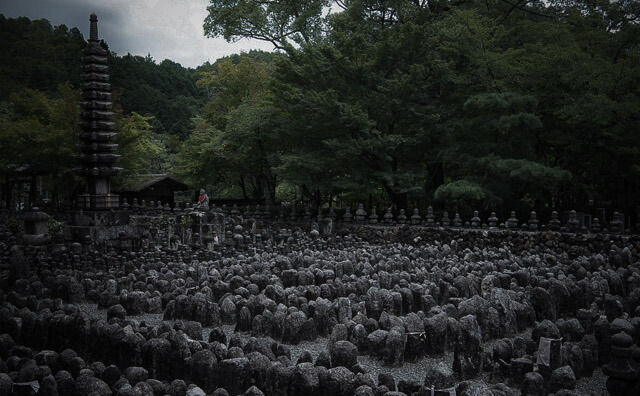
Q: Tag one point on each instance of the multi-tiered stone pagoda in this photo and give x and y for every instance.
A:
(97, 150)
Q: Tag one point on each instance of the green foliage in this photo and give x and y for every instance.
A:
(509, 104)
(460, 190)
(234, 143)
(363, 108)
(164, 221)
(393, 102)
(54, 227)
(15, 225)
(39, 133)
(186, 222)
(166, 91)
(524, 171)
(273, 21)
(37, 56)
(230, 84)
(141, 151)
(198, 162)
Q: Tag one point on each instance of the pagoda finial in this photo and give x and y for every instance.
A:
(93, 30)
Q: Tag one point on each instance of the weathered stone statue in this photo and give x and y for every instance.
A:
(475, 220)
(493, 220)
(203, 200)
(415, 218)
(360, 214)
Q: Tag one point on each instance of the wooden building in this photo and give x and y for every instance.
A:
(151, 188)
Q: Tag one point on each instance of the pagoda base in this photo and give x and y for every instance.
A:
(98, 202)
(99, 225)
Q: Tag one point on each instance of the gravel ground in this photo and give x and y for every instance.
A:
(594, 385)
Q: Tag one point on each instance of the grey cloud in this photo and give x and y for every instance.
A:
(139, 27)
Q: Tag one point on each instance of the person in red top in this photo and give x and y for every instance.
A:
(203, 199)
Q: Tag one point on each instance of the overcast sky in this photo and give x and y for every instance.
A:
(166, 29)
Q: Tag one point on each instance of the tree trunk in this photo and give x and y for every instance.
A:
(269, 187)
(33, 191)
(243, 187)
(7, 194)
(436, 175)
(399, 200)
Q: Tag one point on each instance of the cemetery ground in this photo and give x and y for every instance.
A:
(285, 309)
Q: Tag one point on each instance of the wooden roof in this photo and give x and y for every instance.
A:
(141, 182)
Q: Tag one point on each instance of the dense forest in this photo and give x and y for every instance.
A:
(495, 105)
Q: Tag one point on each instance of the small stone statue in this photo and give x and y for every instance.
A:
(402, 218)
(373, 218)
(203, 200)
(475, 220)
(257, 214)
(554, 223)
(457, 221)
(360, 214)
(513, 221)
(493, 220)
(431, 222)
(445, 219)
(388, 217)
(533, 221)
(415, 218)
(615, 225)
(347, 217)
(595, 226)
(622, 370)
(573, 223)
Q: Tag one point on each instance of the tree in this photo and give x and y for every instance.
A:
(38, 56)
(582, 67)
(140, 151)
(38, 134)
(278, 22)
(197, 159)
(495, 148)
(232, 82)
(501, 103)
(362, 105)
(240, 124)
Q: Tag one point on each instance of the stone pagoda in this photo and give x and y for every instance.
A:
(97, 150)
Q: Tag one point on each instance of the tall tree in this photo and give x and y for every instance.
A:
(241, 126)
(281, 23)
(38, 136)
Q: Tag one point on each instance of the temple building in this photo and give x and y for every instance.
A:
(157, 188)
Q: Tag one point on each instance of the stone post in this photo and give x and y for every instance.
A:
(622, 370)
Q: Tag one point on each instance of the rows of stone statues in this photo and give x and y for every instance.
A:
(574, 222)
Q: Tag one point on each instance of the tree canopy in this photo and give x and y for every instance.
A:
(494, 105)
(499, 104)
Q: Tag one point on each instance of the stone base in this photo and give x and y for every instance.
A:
(100, 226)
(97, 234)
(98, 202)
(101, 218)
(35, 239)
